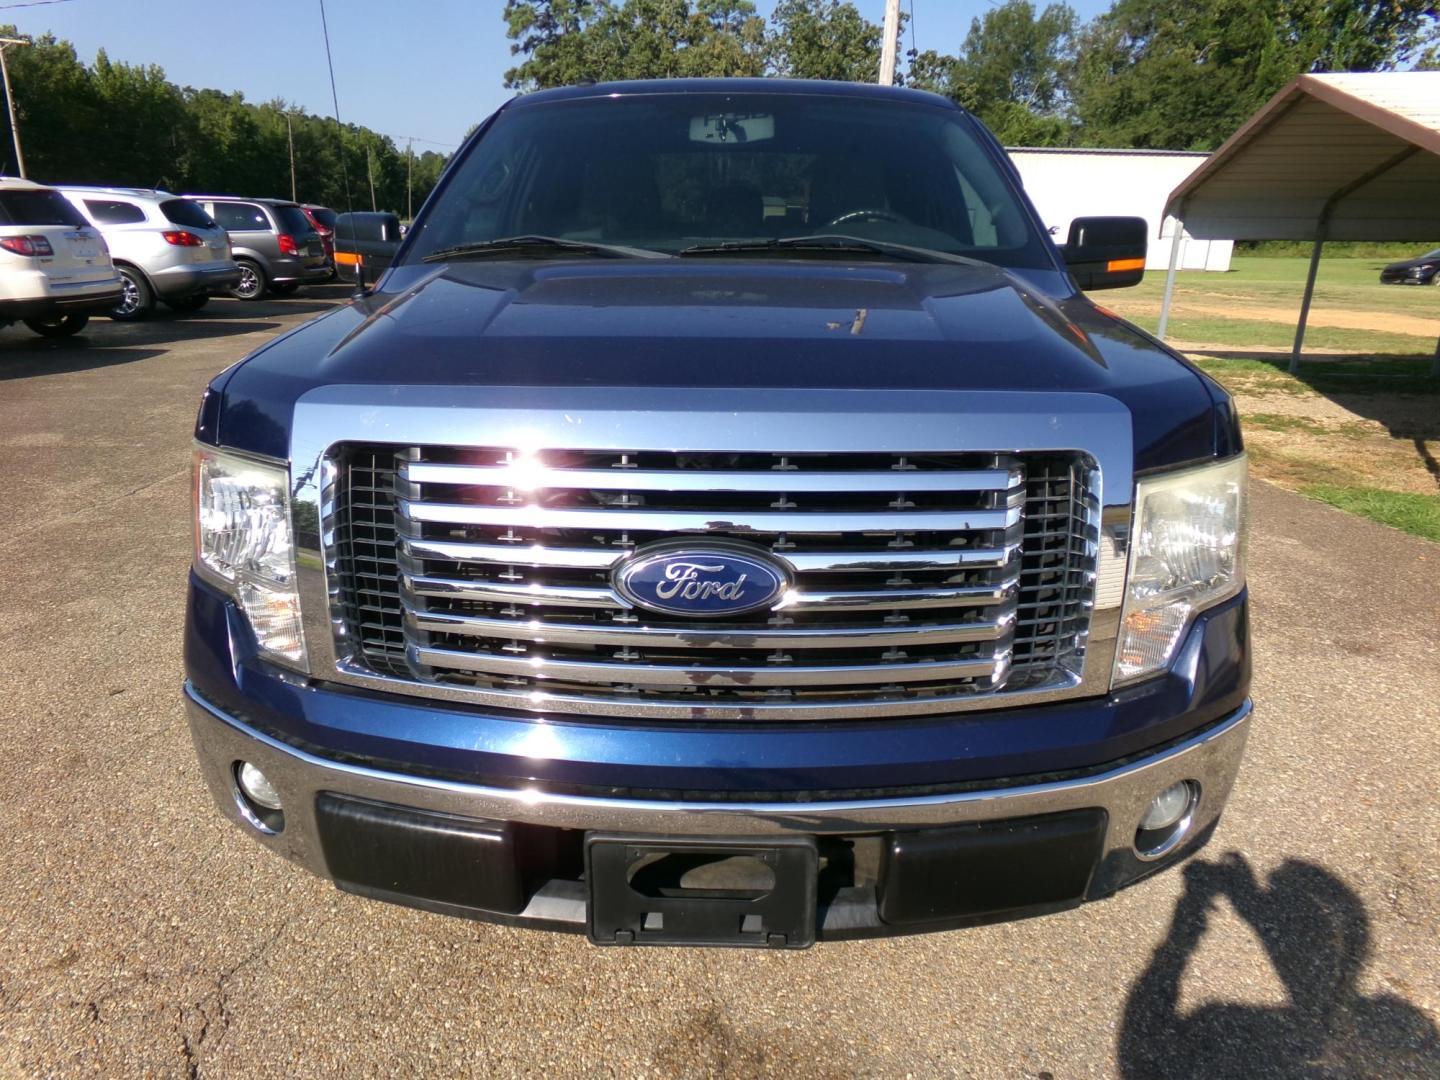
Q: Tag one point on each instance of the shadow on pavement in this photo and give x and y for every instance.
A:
(62, 357)
(1317, 935)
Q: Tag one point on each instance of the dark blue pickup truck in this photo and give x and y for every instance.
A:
(726, 523)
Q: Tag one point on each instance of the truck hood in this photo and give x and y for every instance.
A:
(722, 323)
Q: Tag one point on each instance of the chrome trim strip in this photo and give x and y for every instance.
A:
(528, 476)
(514, 554)
(807, 562)
(501, 592)
(795, 599)
(684, 521)
(919, 559)
(1212, 758)
(539, 667)
(672, 420)
(900, 599)
(700, 638)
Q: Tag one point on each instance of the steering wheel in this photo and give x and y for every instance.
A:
(867, 214)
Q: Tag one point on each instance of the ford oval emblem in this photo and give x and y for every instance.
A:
(701, 580)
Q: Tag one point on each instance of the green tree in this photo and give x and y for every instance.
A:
(562, 42)
(1154, 74)
(823, 39)
(1013, 71)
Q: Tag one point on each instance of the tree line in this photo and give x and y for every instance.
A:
(126, 125)
(1144, 74)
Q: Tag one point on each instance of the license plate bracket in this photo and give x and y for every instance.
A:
(637, 895)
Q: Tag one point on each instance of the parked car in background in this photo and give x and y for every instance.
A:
(1421, 270)
(323, 220)
(55, 271)
(365, 241)
(165, 248)
(274, 244)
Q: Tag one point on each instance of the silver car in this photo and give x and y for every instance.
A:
(165, 247)
(276, 246)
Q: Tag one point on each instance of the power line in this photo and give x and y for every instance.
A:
(33, 3)
(335, 98)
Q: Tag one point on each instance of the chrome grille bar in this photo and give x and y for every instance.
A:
(535, 555)
(663, 675)
(528, 476)
(685, 521)
(885, 637)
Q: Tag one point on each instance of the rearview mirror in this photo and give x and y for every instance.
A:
(1106, 252)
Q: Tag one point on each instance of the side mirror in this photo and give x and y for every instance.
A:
(1106, 252)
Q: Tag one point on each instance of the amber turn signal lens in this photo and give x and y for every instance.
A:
(1119, 266)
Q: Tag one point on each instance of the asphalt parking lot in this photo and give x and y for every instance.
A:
(142, 935)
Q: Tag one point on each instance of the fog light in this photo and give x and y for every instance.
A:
(1166, 808)
(257, 786)
(1167, 820)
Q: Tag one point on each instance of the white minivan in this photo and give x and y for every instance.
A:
(55, 271)
(165, 248)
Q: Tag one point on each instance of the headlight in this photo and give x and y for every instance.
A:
(243, 543)
(1185, 555)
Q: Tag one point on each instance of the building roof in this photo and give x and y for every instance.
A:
(1362, 150)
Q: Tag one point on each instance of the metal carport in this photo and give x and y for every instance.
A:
(1330, 157)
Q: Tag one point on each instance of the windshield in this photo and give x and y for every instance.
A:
(677, 171)
(323, 216)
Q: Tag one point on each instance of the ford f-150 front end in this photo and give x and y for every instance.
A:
(726, 523)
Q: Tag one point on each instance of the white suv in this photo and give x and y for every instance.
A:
(55, 271)
(164, 247)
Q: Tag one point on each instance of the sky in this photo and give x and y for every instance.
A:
(426, 70)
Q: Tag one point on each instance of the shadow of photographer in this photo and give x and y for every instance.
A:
(1317, 935)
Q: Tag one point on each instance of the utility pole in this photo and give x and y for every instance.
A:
(370, 172)
(290, 135)
(5, 43)
(409, 169)
(887, 47)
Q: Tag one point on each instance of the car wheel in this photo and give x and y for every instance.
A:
(58, 325)
(287, 289)
(136, 298)
(188, 303)
(252, 281)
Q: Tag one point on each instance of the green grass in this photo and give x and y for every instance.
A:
(1351, 284)
(1251, 333)
(1380, 375)
(1418, 515)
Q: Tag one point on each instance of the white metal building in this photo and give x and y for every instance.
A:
(1065, 184)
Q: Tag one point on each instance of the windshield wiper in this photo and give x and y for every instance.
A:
(541, 246)
(835, 242)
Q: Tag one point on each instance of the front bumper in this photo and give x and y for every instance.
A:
(542, 885)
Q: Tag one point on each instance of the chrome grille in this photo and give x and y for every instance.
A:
(920, 580)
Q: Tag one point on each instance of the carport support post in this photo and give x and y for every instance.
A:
(1170, 273)
(1320, 230)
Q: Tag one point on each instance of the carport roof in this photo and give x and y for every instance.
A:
(1361, 150)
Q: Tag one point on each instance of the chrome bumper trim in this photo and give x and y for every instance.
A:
(1212, 758)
